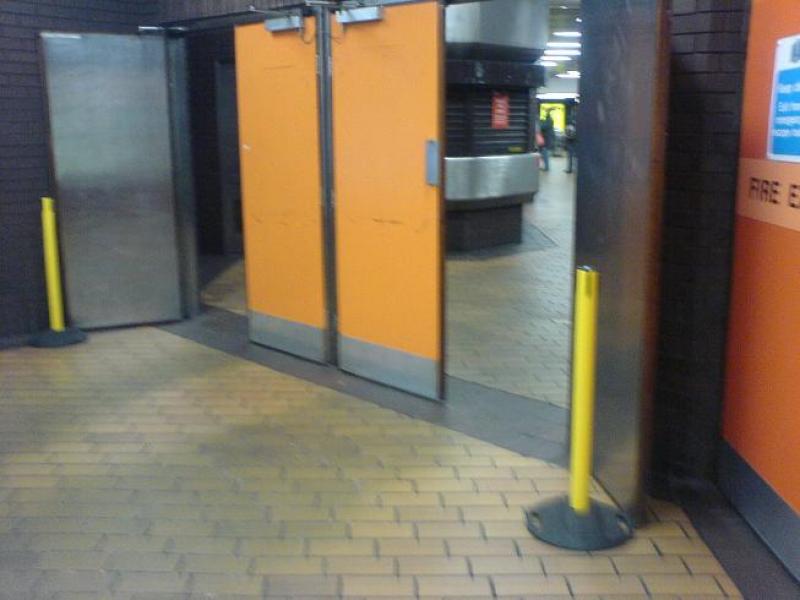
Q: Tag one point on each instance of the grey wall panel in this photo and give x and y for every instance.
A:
(773, 519)
(621, 121)
(110, 136)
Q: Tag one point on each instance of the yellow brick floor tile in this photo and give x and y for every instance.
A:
(180, 470)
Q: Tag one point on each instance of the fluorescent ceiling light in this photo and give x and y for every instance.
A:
(569, 75)
(567, 34)
(557, 96)
(562, 52)
(558, 58)
(563, 44)
(547, 63)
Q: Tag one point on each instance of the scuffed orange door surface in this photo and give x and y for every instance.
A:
(278, 132)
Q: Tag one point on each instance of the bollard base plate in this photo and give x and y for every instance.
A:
(556, 523)
(58, 339)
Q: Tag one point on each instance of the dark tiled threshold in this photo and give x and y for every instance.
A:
(531, 427)
(755, 570)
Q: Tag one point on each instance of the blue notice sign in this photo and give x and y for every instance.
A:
(784, 128)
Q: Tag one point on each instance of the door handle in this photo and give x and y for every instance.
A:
(433, 163)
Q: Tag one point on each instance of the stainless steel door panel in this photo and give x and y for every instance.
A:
(622, 123)
(110, 136)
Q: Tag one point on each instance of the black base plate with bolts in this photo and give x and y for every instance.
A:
(556, 523)
(58, 339)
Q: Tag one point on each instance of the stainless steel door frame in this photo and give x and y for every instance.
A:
(183, 173)
(123, 190)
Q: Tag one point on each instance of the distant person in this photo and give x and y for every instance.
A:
(570, 141)
(548, 140)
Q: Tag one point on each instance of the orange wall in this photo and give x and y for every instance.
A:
(280, 164)
(762, 403)
(762, 412)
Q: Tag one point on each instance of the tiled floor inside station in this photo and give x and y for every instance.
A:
(141, 465)
(226, 286)
(509, 311)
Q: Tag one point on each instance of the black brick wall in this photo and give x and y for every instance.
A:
(24, 161)
(708, 51)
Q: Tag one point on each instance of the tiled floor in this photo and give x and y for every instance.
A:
(226, 290)
(509, 317)
(142, 465)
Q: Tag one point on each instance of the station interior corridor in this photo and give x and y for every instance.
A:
(141, 465)
(508, 309)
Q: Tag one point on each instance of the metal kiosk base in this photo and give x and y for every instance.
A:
(478, 227)
(556, 523)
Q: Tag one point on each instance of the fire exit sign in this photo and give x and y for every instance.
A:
(784, 125)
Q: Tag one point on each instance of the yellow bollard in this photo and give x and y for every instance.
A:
(58, 334)
(576, 521)
(52, 266)
(587, 287)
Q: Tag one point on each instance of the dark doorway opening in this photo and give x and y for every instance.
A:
(215, 154)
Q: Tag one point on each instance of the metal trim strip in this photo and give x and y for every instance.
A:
(289, 23)
(777, 523)
(295, 338)
(325, 116)
(391, 367)
(349, 16)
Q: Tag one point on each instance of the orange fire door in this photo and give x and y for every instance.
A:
(281, 188)
(387, 121)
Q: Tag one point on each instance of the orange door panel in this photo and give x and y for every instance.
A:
(387, 105)
(281, 189)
